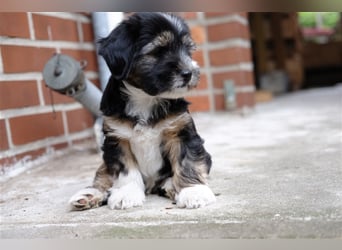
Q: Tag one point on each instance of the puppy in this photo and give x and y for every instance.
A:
(151, 144)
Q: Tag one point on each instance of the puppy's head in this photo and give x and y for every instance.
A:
(152, 52)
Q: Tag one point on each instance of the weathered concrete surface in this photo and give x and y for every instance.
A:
(277, 172)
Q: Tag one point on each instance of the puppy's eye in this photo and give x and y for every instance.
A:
(173, 66)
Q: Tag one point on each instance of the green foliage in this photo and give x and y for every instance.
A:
(330, 19)
(308, 19)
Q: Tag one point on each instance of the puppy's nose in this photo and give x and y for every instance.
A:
(186, 74)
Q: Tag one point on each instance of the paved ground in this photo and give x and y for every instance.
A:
(277, 172)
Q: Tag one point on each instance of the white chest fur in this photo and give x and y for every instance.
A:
(145, 140)
(145, 144)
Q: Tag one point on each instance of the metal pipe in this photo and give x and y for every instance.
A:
(65, 75)
(103, 23)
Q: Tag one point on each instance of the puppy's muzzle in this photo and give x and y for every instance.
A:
(190, 77)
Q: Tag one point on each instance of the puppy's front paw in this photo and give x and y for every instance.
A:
(130, 195)
(195, 197)
(86, 198)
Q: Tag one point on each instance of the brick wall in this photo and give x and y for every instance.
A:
(224, 53)
(28, 127)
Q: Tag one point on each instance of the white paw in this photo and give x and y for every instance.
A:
(195, 197)
(127, 196)
(86, 198)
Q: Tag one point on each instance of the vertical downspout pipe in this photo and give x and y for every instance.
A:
(103, 24)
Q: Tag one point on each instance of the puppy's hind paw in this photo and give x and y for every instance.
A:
(86, 198)
(195, 197)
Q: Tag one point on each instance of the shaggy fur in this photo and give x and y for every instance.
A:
(151, 144)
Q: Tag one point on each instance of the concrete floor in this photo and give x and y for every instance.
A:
(277, 172)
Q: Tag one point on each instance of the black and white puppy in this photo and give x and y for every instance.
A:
(151, 144)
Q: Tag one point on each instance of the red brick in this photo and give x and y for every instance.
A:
(88, 34)
(243, 14)
(219, 102)
(79, 120)
(34, 154)
(24, 59)
(240, 78)
(53, 97)
(217, 14)
(198, 57)
(228, 56)
(96, 82)
(189, 15)
(18, 94)
(198, 103)
(198, 34)
(14, 24)
(203, 83)
(89, 56)
(5, 162)
(8, 161)
(245, 99)
(31, 128)
(224, 31)
(3, 136)
(54, 28)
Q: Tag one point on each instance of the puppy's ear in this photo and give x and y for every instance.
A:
(118, 50)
